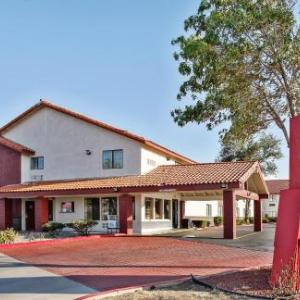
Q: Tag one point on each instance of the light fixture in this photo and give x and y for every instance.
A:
(88, 152)
(224, 186)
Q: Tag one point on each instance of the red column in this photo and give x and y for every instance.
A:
(182, 212)
(257, 215)
(2, 214)
(125, 214)
(295, 153)
(229, 213)
(40, 213)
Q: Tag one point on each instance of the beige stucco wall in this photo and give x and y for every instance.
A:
(151, 160)
(62, 140)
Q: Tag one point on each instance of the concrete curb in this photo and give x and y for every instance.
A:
(52, 241)
(132, 289)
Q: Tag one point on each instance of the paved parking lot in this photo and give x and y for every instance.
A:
(105, 263)
(247, 239)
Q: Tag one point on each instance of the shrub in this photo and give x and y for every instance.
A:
(218, 221)
(8, 236)
(251, 220)
(265, 219)
(82, 227)
(272, 219)
(240, 221)
(52, 226)
(201, 223)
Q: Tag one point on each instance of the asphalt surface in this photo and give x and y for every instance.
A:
(247, 238)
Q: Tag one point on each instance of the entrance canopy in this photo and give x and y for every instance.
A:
(244, 177)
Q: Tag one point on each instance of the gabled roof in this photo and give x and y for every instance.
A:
(15, 146)
(277, 185)
(179, 177)
(43, 103)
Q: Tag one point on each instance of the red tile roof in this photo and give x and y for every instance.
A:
(163, 177)
(277, 185)
(147, 143)
(15, 146)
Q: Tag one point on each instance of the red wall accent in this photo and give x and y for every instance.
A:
(10, 172)
(10, 166)
(40, 213)
(125, 212)
(229, 213)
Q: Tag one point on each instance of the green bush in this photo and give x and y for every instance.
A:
(240, 221)
(8, 236)
(218, 221)
(265, 219)
(82, 227)
(52, 227)
(201, 223)
(251, 220)
(272, 219)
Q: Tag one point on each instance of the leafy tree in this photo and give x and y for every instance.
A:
(241, 60)
(265, 149)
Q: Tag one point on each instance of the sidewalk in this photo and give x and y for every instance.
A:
(22, 281)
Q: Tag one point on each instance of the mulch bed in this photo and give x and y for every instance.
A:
(251, 282)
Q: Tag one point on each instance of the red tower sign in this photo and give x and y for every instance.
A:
(286, 261)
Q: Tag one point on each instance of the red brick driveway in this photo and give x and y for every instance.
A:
(106, 263)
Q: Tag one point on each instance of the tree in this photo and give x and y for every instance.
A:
(265, 149)
(241, 61)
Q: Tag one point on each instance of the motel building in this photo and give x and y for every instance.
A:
(61, 166)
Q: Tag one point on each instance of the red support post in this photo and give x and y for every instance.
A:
(2, 214)
(41, 213)
(229, 213)
(286, 263)
(125, 213)
(182, 212)
(257, 215)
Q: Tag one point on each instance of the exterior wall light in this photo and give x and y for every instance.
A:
(88, 152)
(224, 186)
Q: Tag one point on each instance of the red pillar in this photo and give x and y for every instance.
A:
(257, 215)
(295, 153)
(125, 212)
(229, 213)
(40, 213)
(2, 214)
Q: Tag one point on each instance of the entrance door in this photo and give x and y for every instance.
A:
(29, 213)
(175, 213)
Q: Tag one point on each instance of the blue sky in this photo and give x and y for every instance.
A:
(111, 60)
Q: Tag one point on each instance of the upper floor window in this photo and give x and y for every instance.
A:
(112, 159)
(37, 163)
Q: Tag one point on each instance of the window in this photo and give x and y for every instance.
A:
(272, 204)
(148, 208)
(92, 209)
(109, 209)
(67, 207)
(158, 209)
(208, 210)
(112, 159)
(133, 208)
(50, 210)
(167, 209)
(37, 163)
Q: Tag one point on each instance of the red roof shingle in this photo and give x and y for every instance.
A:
(162, 176)
(277, 185)
(15, 146)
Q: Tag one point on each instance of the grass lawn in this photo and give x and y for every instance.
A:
(185, 290)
